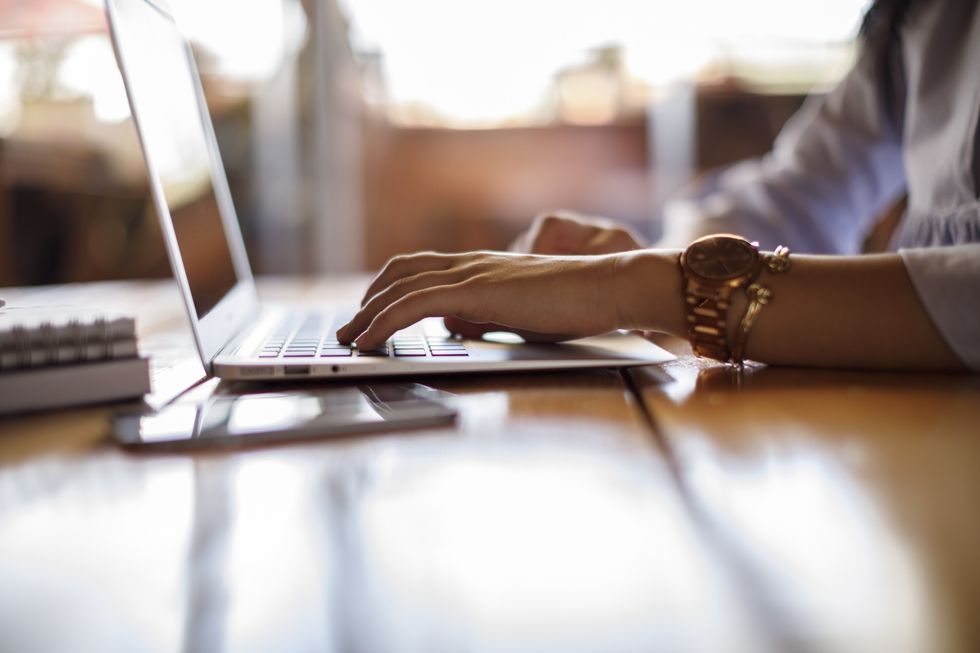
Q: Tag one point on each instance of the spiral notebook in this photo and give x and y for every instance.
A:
(60, 357)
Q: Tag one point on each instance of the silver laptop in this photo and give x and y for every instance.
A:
(239, 337)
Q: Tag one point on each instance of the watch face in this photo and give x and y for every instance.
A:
(721, 257)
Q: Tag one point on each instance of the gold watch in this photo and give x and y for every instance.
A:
(713, 268)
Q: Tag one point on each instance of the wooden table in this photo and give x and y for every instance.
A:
(669, 508)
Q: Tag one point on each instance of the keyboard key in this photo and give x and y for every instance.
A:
(409, 352)
(336, 353)
(269, 355)
(450, 352)
(297, 355)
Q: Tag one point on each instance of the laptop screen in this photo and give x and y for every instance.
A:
(164, 99)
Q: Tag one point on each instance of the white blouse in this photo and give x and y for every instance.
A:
(844, 157)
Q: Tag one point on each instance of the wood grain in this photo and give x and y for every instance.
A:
(848, 502)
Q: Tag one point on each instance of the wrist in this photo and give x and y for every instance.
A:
(648, 291)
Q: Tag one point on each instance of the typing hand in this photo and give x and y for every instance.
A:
(540, 297)
(559, 233)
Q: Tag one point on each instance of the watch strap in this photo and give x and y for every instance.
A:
(707, 316)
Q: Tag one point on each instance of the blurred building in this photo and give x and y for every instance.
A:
(352, 130)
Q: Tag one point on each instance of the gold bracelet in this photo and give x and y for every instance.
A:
(758, 295)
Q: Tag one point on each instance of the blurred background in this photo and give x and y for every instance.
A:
(353, 130)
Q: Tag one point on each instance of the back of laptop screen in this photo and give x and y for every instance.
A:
(164, 99)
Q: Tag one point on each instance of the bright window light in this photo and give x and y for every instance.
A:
(478, 63)
(247, 41)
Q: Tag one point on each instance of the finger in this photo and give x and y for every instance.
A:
(557, 234)
(605, 242)
(537, 239)
(519, 244)
(431, 302)
(468, 329)
(407, 265)
(600, 243)
(539, 236)
(393, 293)
(609, 241)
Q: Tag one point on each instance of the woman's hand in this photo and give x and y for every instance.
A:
(570, 233)
(559, 233)
(548, 297)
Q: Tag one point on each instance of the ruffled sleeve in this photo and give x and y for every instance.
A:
(835, 166)
(947, 280)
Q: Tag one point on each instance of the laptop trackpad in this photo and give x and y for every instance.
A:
(614, 347)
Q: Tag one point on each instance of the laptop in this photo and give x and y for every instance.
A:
(237, 335)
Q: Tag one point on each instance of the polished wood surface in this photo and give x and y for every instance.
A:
(848, 503)
(669, 508)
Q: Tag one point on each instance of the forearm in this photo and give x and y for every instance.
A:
(833, 311)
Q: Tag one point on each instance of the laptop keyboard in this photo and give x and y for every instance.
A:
(308, 337)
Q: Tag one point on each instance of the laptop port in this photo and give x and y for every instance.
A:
(296, 370)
